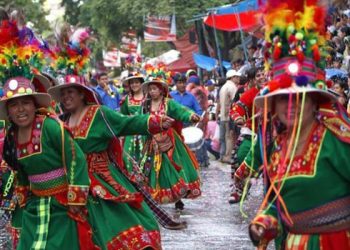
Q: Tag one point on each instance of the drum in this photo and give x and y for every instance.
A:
(193, 137)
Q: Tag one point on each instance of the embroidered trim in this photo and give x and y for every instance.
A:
(194, 189)
(169, 195)
(48, 176)
(82, 130)
(135, 238)
(50, 191)
(304, 165)
(22, 195)
(34, 144)
(77, 195)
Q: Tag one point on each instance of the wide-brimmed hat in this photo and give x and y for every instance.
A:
(158, 81)
(294, 52)
(292, 77)
(17, 87)
(134, 76)
(41, 83)
(77, 82)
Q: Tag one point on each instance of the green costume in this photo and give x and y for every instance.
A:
(169, 165)
(119, 217)
(316, 192)
(133, 144)
(50, 178)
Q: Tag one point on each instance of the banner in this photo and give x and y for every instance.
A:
(113, 57)
(160, 29)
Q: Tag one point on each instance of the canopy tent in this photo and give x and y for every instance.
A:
(242, 16)
(208, 63)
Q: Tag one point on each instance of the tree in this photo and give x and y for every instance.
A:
(33, 11)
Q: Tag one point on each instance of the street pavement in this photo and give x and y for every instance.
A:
(212, 222)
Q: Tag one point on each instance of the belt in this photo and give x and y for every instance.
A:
(331, 217)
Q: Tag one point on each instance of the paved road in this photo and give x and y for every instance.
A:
(212, 222)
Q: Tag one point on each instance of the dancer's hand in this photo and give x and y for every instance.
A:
(257, 232)
(166, 122)
(195, 118)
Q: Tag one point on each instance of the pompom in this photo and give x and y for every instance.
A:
(300, 55)
(329, 83)
(301, 81)
(285, 81)
(316, 53)
(277, 53)
(273, 85)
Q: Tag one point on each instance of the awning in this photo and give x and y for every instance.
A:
(208, 63)
(244, 15)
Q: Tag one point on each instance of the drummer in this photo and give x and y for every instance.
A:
(170, 166)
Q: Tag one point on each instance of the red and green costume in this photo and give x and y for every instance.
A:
(119, 217)
(316, 190)
(173, 174)
(133, 144)
(52, 175)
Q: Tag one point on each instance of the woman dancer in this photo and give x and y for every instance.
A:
(130, 223)
(171, 168)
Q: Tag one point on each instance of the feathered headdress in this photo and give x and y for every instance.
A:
(17, 59)
(72, 54)
(295, 41)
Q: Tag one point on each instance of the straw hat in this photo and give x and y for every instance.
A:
(134, 76)
(158, 81)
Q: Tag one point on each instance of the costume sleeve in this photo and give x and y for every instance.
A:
(130, 125)
(124, 106)
(178, 111)
(268, 219)
(74, 162)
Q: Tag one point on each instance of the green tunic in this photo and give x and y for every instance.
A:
(319, 176)
(53, 183)
(173, 174)
(117, 224)
(133, 144)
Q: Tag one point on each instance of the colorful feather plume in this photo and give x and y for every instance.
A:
(16, 57)
(72, 55)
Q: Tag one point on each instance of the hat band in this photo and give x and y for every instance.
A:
(306, 68)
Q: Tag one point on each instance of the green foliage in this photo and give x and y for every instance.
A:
(33, 9)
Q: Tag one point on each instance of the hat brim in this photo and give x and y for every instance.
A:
(42, 100)
(55, 92)
(41, 83)
(126, 80)
(145, 85)
(320, 95)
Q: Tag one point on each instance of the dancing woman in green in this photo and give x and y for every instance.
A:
(119, 217)
(131, 105)
(171, 168)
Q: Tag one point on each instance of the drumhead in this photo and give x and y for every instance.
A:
(192, 134)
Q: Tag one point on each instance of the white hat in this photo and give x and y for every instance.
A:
(232, 73)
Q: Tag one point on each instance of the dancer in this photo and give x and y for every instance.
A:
(171, 168)
(131, 105)
(300, 138)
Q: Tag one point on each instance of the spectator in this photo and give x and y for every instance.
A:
(227, 92)
(108, 93)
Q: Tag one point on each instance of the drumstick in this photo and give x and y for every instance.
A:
(200, 119)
